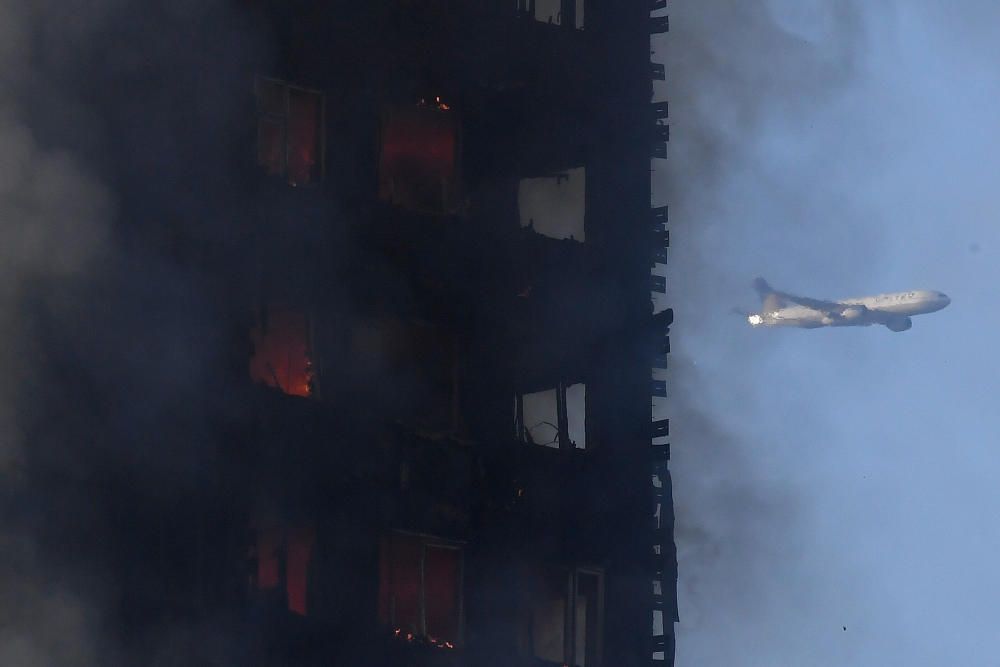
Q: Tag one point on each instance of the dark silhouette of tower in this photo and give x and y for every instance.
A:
(436, 443)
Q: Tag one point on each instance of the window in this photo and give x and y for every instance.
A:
(576, 414)
(548, 11)
(418, 158)
(555, 206)
(540, 418)
(420, 588)
(555, 12)
(283, 558)
(281, 351)
(564, 624)
(289, 131)
(554, 418)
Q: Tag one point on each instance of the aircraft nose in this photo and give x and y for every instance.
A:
(944, 298)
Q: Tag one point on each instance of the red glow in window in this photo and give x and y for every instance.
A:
(401, 591)
(292, 547)
(420, 589)
(418, 159)
(441, 576)
(289, 131)
(271, 145)
(281, 351)
(303, 136)
(300, 549)
(268, 546)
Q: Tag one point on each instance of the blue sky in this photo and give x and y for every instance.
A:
(845, 477)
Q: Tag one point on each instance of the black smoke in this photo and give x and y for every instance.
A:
(119, 125)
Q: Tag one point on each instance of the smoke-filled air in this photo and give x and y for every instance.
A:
(836, 488)
(104, 350)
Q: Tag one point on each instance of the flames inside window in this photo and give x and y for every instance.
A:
(289, 131)
(281, 351)
(420, 589)
(555, 206)
(418, 158)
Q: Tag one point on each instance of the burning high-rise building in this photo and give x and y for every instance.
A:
(437, 444)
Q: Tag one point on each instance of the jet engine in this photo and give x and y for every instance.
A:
(899, 324)
(852, 313)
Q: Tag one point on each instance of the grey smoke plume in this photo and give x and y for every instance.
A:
(744, 79)
(54, 218)
(103, 351)
(54, 222)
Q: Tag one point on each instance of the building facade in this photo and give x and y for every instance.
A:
(442, 449)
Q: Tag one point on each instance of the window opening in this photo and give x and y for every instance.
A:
(420, 589)
(554, 418)
(588, 606)
(541, 418)
(555, 206)
(282, 350)
(418, 158)
(284, 555)
(299, 549)
(548, 11)
(553, 12)
(290, 131)
(566, 617)
(576, 414)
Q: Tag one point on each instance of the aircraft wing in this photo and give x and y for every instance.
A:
(829, 307)
(772, 298)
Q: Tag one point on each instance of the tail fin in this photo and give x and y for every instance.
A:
(762, 287)
(770, 298)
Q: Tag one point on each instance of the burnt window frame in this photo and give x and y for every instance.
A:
(568, 19)
(283, 119)
(283, 532)
(562, 417)
(558, 176)
(451, 206)
(434, 542)
(571, 590)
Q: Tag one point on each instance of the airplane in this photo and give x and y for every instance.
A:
(780, 309)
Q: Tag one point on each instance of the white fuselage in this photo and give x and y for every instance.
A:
(860, 311)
